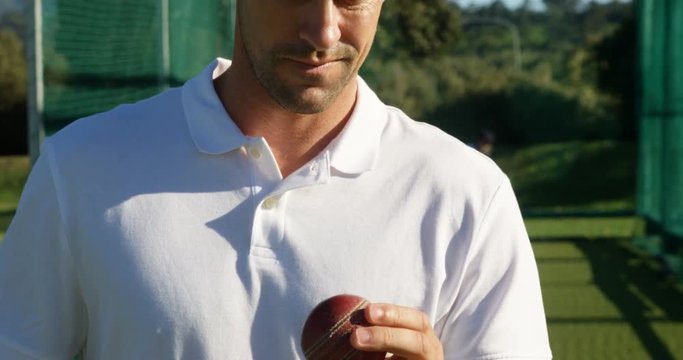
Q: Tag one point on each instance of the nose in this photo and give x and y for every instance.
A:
(320, 27)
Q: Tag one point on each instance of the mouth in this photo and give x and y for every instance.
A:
(313, 66)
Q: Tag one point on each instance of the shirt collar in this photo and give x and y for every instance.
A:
(353, 151)
(211, 127)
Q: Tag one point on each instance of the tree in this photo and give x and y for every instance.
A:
(14, 20)
(418, 28)
(562, 6)
(616, 59)
(12, 69)
(12, 93)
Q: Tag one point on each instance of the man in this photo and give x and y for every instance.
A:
(206, 222)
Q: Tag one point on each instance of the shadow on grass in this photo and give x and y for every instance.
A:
(631, 283)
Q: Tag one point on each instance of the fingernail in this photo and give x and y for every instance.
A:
(363, 335)
(376, 313)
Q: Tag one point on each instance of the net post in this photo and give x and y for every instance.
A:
(165, 75)
(34, 55)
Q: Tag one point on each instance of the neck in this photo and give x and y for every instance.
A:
(293, 138)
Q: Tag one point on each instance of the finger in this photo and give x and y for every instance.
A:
(406, 343)
(397, 316)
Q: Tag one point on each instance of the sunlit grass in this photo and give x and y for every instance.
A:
(587, 227)
(606, 300)
(13, 174)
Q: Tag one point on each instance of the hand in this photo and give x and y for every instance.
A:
(404, 332)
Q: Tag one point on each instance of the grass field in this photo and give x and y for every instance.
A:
(572, 176)
(13, 173)
(603, 298)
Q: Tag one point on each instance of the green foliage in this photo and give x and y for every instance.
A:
(557, 96)
(561, 7)
(13, 137)
(12, 69)
(421, 27)
(462, 96)
(418, 87)
(615, 57)
(15, 21)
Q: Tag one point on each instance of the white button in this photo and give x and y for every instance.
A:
(314, 167)
(255, 152)
(270, 203)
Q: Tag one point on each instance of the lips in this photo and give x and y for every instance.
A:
(313, 68)
(312, 63)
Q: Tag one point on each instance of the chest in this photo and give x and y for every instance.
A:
(254, 260)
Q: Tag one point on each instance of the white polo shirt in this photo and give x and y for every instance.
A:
(159, 231)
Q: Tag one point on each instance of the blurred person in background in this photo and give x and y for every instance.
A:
(485, 142)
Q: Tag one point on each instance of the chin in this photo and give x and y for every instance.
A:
(309, 101)
(306, 107)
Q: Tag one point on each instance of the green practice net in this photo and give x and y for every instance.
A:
(98, 54)
(660, 192)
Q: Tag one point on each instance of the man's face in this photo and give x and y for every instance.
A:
(305, 52)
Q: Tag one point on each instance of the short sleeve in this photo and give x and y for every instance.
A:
(498, 311)
(41, 311)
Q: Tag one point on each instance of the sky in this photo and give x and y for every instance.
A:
(538, 4)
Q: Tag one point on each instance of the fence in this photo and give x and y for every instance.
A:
(89, 56)
(660, 182)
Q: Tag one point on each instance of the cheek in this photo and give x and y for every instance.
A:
(361, 29)
(361, 35)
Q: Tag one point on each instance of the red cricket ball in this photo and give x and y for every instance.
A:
(327, 331)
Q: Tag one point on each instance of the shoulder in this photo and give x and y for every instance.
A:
(127, 140)
(436, 153)
(124, 126)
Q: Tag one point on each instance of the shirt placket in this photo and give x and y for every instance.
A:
(270, 194)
